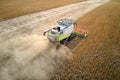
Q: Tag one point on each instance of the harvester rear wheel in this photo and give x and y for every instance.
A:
(63, 41)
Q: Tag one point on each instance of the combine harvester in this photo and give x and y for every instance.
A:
(64, 32)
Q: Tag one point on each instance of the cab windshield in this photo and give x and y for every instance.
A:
(55, 31)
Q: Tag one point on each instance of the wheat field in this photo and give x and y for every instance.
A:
(14, 8)
(97, 57)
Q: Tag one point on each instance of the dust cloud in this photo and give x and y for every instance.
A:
(30, 58)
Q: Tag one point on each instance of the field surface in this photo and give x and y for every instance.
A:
(39, 22)
(26, 55)
(98, 56)
(13, 8)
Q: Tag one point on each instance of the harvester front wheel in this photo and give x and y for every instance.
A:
(71, 36)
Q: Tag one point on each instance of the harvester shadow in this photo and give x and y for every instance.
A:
(74, 42)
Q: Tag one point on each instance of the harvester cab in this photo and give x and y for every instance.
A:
(64, 31)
